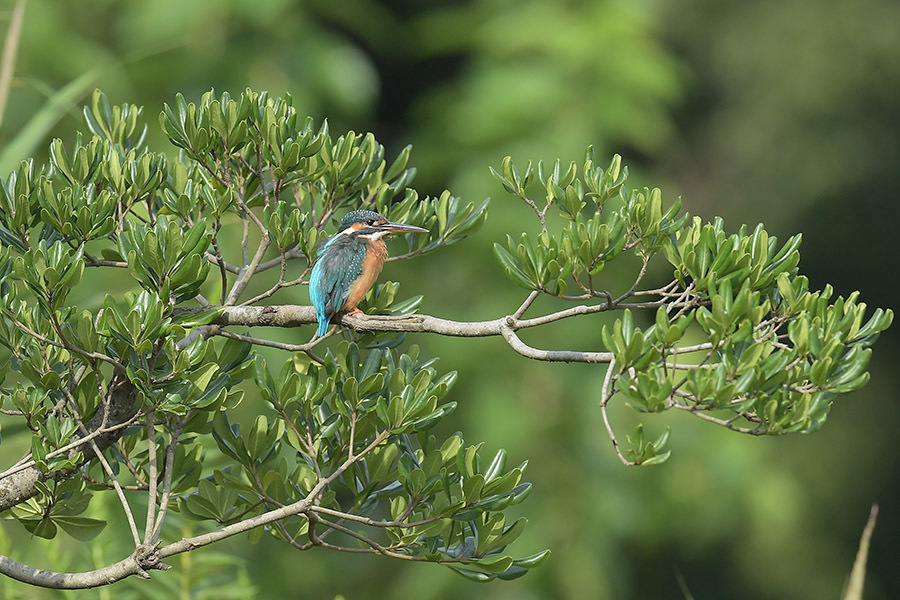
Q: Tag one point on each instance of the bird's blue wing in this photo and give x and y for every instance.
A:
(338, 264)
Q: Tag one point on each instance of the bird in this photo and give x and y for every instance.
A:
(348, 264)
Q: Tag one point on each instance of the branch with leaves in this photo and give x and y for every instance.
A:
(131, 395)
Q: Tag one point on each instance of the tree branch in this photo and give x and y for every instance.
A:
(247, 272)
(19, 486)
(98, 454)
(147, 557)
(152, 477)
(506, 326)
(606, 393)
(167, 484)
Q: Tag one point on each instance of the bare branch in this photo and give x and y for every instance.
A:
(247, 272)
(245, 240)
(223, 272)
(151, 497)
(727, 423)
(73, 407)
(551, 355)
(269, 343)
(295, 252)
(167, 485)
(371, 522)
(295, 315)
(634, 285)
(526, 304)
(90, 261)
(115, 482)
(355, 534)
(265, 518)
(71, 581)
(606, 393)
(281, 283)
(225, 264)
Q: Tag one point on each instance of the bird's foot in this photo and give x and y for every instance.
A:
(355, 311)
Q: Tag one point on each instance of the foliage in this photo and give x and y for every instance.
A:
(360, 423)
(136, 395)
(736, 332)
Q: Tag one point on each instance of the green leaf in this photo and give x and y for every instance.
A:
(44, 528)
(658, 459)
(80, 528)
(529, 562)
(510, 265)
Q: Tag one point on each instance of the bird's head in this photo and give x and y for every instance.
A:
(369, 224)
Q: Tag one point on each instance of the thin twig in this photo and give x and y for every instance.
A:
(269, 343)
(606, 393)
(73, 406)
(224, 263)
(247, 272)
(112, 476)
(83, 353)
(371, 522)
(727, 423)
(221, 261)
(281, 283)
(634, 285)
(167, 483)
(295, 252)
(526, 304)
(79, 442)
(152, 481)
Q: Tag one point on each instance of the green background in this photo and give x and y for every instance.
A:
(784, 113)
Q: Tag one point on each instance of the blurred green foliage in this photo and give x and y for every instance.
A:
(782, 112)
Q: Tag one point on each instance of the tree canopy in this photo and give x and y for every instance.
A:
(130, 397)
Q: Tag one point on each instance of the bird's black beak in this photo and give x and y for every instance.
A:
(401, 228)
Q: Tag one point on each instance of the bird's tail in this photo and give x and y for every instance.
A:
(323, 325)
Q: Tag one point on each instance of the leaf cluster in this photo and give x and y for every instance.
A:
(734, 337)
(142, 376)
(135, 392)
(399, 490)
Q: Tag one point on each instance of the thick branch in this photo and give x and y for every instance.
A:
(506, 326)
(146, 557)
(524, 349)
(69, 581)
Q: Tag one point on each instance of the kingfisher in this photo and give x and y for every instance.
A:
(348, 264)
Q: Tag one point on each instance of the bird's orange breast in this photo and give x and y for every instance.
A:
(376, 253)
